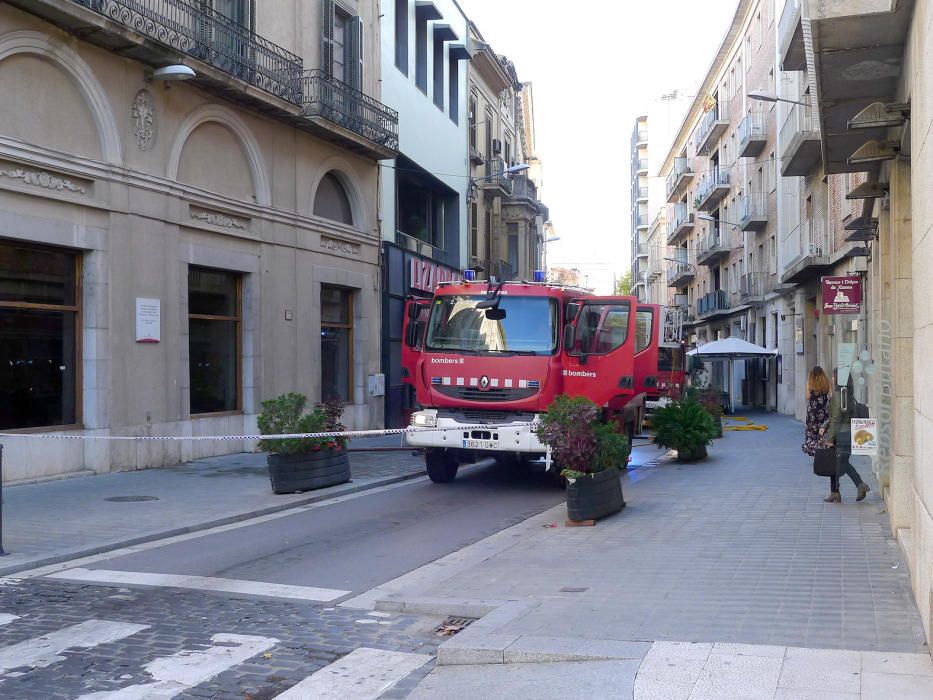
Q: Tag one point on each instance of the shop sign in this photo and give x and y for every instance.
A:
(865, 436)
(426, 276)
(148, 320)
(842, 295)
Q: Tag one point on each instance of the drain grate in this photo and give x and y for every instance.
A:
(131, 499)
(573, 589)
(452, 625)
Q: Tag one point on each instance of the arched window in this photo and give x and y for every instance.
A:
(331, 200)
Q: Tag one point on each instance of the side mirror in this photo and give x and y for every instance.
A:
(413, 333)
(414, 310)
(495, 314)
(571, 312)
(570, 334)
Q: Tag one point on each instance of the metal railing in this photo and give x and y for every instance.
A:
(641, 220)
(642, 193)
(754, 284)
(681, 170)
(496, 175)
(799, 120)
(753, 205)
(788, 21)
(806, 240)
(715, 178)
(416, 245)
(641, 164)
(642, 250)
(679, 269)
(716, 300)
(718, 113)
(680, 215)
(201, 32)
(714, 238)
(641, 136)
(334, 100)
(752, 128)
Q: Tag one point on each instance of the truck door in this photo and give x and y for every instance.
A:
(646, 350)
(416, 310)
(598, 352)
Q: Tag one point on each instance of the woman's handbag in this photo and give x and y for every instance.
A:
(824, 462)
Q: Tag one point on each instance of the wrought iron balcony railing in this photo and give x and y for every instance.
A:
(201, 32)
(334, 100)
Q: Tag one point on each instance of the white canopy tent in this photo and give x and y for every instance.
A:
(730, 349)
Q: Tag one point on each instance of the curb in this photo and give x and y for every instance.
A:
(218, 522)
(484, 642)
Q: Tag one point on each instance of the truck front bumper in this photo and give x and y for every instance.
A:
(437, 429)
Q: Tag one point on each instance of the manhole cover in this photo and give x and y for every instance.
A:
(452, 625)
(131, 499)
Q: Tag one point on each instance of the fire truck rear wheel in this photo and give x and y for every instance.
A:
(441, 466)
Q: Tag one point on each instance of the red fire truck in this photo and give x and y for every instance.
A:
(491, 357)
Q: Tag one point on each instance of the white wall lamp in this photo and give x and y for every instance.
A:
(171, 74)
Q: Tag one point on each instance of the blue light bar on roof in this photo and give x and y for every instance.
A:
(469, 275)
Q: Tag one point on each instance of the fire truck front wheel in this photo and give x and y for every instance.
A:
(440, 464)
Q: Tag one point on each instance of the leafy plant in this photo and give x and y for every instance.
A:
(285, 415)
(581, 443)
(684, 426)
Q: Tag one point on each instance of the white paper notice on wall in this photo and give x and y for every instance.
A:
(148, 320)
(864, 436)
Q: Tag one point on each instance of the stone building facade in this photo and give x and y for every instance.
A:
(173, 253)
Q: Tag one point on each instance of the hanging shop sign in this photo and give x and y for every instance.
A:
(842, 295)
(865, 436)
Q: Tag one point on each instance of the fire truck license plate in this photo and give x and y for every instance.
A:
(481, 444)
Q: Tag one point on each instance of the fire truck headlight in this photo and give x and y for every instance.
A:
(424, 420)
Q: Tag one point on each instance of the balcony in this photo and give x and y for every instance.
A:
(712, 126)
(753, 211)
(641, 278)
(496, 181)
(714, 248)
(680, 273)
(162, 32)
(752, 135)
(713, 304)
(641, 166)
(641, 221)
(754, 286)
(641, 194)
(790, 38)
(348, 117)
(476, 158)
(803, 252)
(678, 180)
(800, 142)
(713, 187)
(416, 245)
(679, 222)
(641, 250)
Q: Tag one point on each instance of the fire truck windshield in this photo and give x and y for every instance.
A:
(529, 326)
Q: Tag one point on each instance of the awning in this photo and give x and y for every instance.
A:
(730, 349)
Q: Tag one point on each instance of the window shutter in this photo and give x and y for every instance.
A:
(327, 37)
(355, 53)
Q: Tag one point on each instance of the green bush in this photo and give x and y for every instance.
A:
(285, 415)
(684, 426)
(581, 442)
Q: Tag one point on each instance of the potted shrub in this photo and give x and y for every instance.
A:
(302, 464)
(589, 454)
(684, 426)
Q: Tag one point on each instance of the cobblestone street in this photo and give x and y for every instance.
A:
(304, 638)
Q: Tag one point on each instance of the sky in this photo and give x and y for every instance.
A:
(592, 76)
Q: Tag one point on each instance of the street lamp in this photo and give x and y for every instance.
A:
(707, 217)
(763, 96)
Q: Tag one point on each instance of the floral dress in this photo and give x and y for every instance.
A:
(817, 414)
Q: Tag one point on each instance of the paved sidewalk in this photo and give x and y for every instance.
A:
(53, 521)
(738, 549)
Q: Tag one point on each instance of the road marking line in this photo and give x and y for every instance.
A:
(43, 651)
(7, 618)
(203, 583)
(186, 669)
(363, 674)
(155, 544)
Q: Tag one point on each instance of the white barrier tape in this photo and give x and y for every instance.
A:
(347, 434)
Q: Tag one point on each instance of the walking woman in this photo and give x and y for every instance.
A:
(818, 391)
(838, 432)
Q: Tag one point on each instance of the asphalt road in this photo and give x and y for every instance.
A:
(357, 544)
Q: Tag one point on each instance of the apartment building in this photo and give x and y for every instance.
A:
(639, 205)
(863, 71)
(721, 223)
(173, 252)
(506, 231)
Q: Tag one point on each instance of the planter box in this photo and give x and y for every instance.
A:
(698, 453)
(596, 496)
(304, 472)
